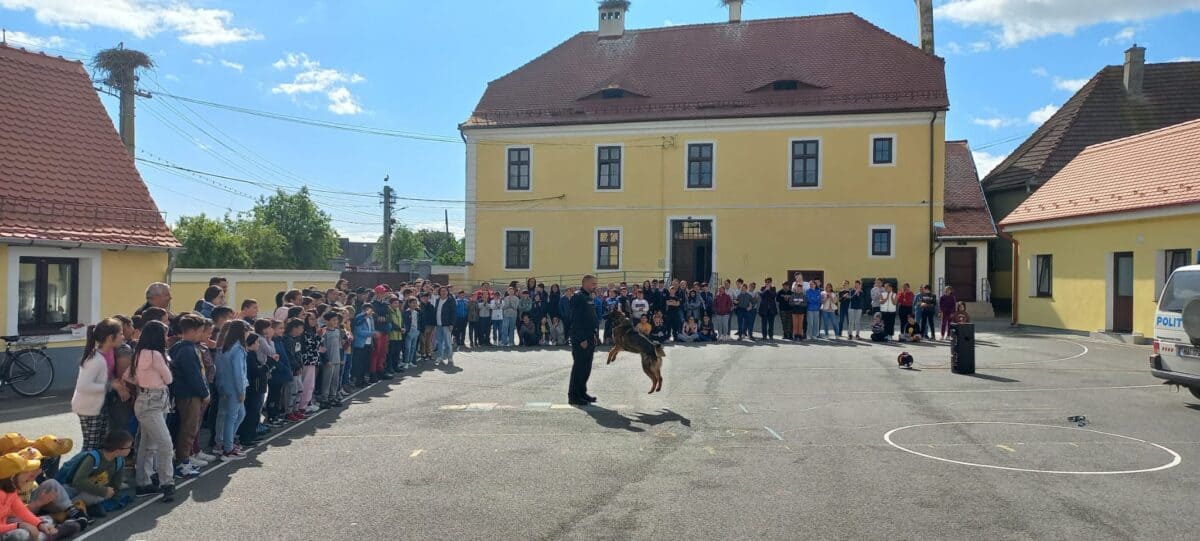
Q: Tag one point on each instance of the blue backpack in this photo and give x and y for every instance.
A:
(66, 474)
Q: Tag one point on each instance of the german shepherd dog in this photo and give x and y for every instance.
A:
(626, 338)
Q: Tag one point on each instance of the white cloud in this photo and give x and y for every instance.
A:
(994, 123)
(985, 161)
(232, 65)
(1040, 116)
(1040, 72)
(206, 27)
(30, 41)
(311, 78)
(204, 60)
(172, 77)
(1122, 37)
(1023, 20)
(1185, 59)
(1070, 85)
(955, 47)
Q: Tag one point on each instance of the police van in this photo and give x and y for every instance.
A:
(1176, 356)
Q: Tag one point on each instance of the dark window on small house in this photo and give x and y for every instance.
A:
(1045, 275)
(785, 85)
(48, 294)
(612, 93)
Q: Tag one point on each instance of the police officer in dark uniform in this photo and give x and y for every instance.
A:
(584, 323)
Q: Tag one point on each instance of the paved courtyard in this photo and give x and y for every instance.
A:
(772, 441)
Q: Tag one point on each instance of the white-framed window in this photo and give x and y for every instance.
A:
(883, 150)
(520, 169)
(518, 249)
(51, 288)
(610, 167)
(700, 165)
(608, 243)
(881, 241)
(1043, 275)
(804, 163)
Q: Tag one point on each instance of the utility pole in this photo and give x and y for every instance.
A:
(447, 211)
(121, 66)
(388, 222)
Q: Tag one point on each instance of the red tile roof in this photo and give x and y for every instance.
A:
(64, 173)
(1100, 111)
(966, 211)
(1152, 170)
(843, 64)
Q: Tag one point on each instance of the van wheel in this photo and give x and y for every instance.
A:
(1195, 391)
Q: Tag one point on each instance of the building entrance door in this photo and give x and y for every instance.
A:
(961, 273)
(1123, 292)
(691, 250)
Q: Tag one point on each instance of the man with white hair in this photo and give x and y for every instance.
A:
(157, 294)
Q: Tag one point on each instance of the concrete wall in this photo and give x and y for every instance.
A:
(1082, 275)
(188, 285)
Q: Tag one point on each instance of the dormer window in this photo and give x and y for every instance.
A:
(612, 93)
(787, 84)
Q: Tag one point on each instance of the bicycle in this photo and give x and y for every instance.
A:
(27, 369)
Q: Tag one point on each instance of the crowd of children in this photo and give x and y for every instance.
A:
(532, 315)
(149, 384)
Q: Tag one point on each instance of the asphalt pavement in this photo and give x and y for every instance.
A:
(767, 441)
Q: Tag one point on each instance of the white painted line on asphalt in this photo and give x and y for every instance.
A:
(210, 469)
(744, 410)
(1007, 448)
(416, 453)
(1175, 458)
(1076, 356)
(950, 391)
(774, 433)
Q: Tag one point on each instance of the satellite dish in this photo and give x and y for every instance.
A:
(1191, 320)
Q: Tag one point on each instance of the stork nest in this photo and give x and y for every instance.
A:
(118, 63)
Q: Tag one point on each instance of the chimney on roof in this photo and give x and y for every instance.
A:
(1135, 67)
(925, 15)
(735, 10)
(612, 18)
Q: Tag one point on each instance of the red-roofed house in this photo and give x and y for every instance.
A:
(1097, 241)
(961, 260)
(749, 148)
(80, 236)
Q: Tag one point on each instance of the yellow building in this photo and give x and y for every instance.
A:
(80, 236)
(1096, 243)
(741, 149)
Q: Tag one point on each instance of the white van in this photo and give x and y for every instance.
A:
(1176, 356)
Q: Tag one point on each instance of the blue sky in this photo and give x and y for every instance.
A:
(421, 67)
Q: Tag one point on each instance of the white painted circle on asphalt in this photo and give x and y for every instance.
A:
(1175, 458)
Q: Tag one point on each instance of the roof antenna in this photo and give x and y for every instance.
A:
(4, 36)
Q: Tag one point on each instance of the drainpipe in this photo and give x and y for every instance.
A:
(1016, 274)
(932, 232)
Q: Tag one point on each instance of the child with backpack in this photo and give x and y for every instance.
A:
(190, 391)
(48, 498)
(94, 477)
(280, 378)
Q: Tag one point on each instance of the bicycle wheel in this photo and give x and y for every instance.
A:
(31, 372)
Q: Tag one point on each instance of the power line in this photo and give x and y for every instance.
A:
(371, 130)
(257, 183)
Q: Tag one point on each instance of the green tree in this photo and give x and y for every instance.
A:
(265, 246)
(406, 245)
(443, 248)
(209, 244)
(310, 238)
